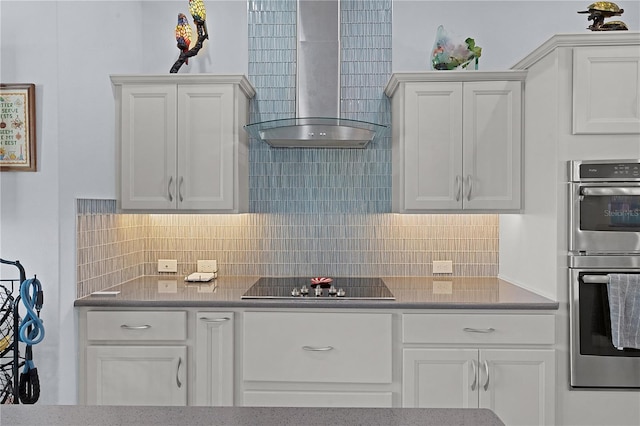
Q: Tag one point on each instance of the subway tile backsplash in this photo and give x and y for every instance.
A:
(113, 248)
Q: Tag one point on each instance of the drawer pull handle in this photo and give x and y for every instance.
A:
(318, 348)
(178, 382)
(135, 327)
(479, 330)
(215, 319)
(475, 375)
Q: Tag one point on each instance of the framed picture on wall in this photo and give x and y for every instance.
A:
(18, 127)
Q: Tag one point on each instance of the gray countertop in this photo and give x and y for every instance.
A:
(409, 292)
(280, 416)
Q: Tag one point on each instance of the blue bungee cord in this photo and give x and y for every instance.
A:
(31, 327)
(31, 332)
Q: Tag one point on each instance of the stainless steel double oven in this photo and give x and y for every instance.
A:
(604, 239)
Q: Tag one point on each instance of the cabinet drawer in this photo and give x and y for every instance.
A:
(299, 398)
(317, 347)
(136, 325)
(478, 328)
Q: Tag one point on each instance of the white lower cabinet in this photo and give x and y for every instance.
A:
(317, 359)
(514, 383)
(135, 357)
(156, 357)
(454, 361)
(214, 359)
(321, 358)
(136, 375)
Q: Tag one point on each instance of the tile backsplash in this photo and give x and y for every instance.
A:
(320, 180)
(113, 248)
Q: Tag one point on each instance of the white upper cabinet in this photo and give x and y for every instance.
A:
(457, 140)
(181, 143)
(606, 90)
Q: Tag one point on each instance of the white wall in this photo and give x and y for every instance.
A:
(69, 49)
(506, 30)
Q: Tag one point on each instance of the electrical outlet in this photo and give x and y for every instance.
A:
(442, 266)
(207, 266)
(442, 287)
(167, 265)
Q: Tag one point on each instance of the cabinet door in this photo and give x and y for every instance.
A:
(433, 146)
(214, 359)
(606, 90)
(207, 137)
(148, 146)
(136, 375)
(492, 145)
(440, 378)
(519, 385)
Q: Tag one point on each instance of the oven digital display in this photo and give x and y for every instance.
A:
(610, 213)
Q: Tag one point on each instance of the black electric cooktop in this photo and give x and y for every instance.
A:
(302, 288)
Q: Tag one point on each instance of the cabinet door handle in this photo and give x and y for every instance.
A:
(475, 375)
(469, 187)
(215, 319)
(458, 187)
(178, 382)
(169, 188)
(479, 330)
(318, 348)
(180, 188)
(486, 369)
(135, 327)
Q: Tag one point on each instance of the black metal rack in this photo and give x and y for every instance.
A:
(10, 359)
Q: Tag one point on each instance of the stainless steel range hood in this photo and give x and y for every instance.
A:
(317, 123)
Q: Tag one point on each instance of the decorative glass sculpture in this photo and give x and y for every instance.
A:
(449, 54)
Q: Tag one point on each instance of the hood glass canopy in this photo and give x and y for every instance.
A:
(318, 123)
(316, 132)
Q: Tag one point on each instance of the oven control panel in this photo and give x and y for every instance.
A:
(610, 170)
(604, 170)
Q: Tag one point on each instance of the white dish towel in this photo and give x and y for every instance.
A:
(624, 304)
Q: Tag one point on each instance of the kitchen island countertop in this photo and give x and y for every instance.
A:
(410, 293)
(255, 416)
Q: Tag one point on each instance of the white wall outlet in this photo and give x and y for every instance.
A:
(207, 266)
(442, 266)
(167, 265)
(442, 287)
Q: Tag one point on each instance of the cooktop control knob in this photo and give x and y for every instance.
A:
(318, 291)
(341, 292)
(304, 290)
(333, 290)
(295, 292)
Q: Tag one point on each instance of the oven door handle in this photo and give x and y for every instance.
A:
(606, 191)
(595, 279)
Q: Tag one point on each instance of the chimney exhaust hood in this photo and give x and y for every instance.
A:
(317, 123)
